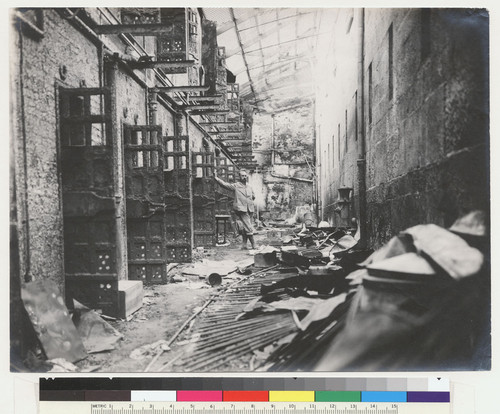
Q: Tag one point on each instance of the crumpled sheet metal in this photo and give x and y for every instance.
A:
(441, 247)
(295, 304)
(445, 327)
(343, 244)
(400, 244)
(97, 335)
(449, 251)
(50, 319)
(320, 311)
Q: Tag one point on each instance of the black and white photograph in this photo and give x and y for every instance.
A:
(256, 190)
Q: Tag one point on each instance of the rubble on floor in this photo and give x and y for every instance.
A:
(416, 303)
(270, 306)
(221, 336)
(310, 299)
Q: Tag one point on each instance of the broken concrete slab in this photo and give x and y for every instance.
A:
(130, 297)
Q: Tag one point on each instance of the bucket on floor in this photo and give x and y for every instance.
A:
(214, 279)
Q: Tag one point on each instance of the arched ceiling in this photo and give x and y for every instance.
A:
(272, 52)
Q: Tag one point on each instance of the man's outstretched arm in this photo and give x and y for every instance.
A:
(229, 186)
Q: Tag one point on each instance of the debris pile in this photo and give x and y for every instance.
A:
(419, 302)
(311, 299)
(223, 334)
(63, 339)
(271, 308)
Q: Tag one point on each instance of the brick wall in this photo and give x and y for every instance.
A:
(38, 63)
(166, 119)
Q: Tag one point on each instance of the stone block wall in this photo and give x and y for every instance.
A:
(426, 117)
(338, 104)
(427, 147)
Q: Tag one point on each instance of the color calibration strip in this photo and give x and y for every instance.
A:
(248, 396)
(237, 389)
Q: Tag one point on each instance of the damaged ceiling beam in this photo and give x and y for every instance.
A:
(243, 54)
(235, 138)
(204, 98)
(162, 65)
(224, 132)
(199, 107)
(147, 29)
(187, 88)
(242, 152)
(217, 123)
(209, 112)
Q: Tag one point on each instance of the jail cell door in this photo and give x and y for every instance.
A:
(203, 199)
(87, 176)
(224, 197)
(177, 197)
(145, 205)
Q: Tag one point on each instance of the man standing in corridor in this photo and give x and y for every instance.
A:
(243, 206)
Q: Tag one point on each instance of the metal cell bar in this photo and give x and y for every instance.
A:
(233, 338)
(241, 349)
